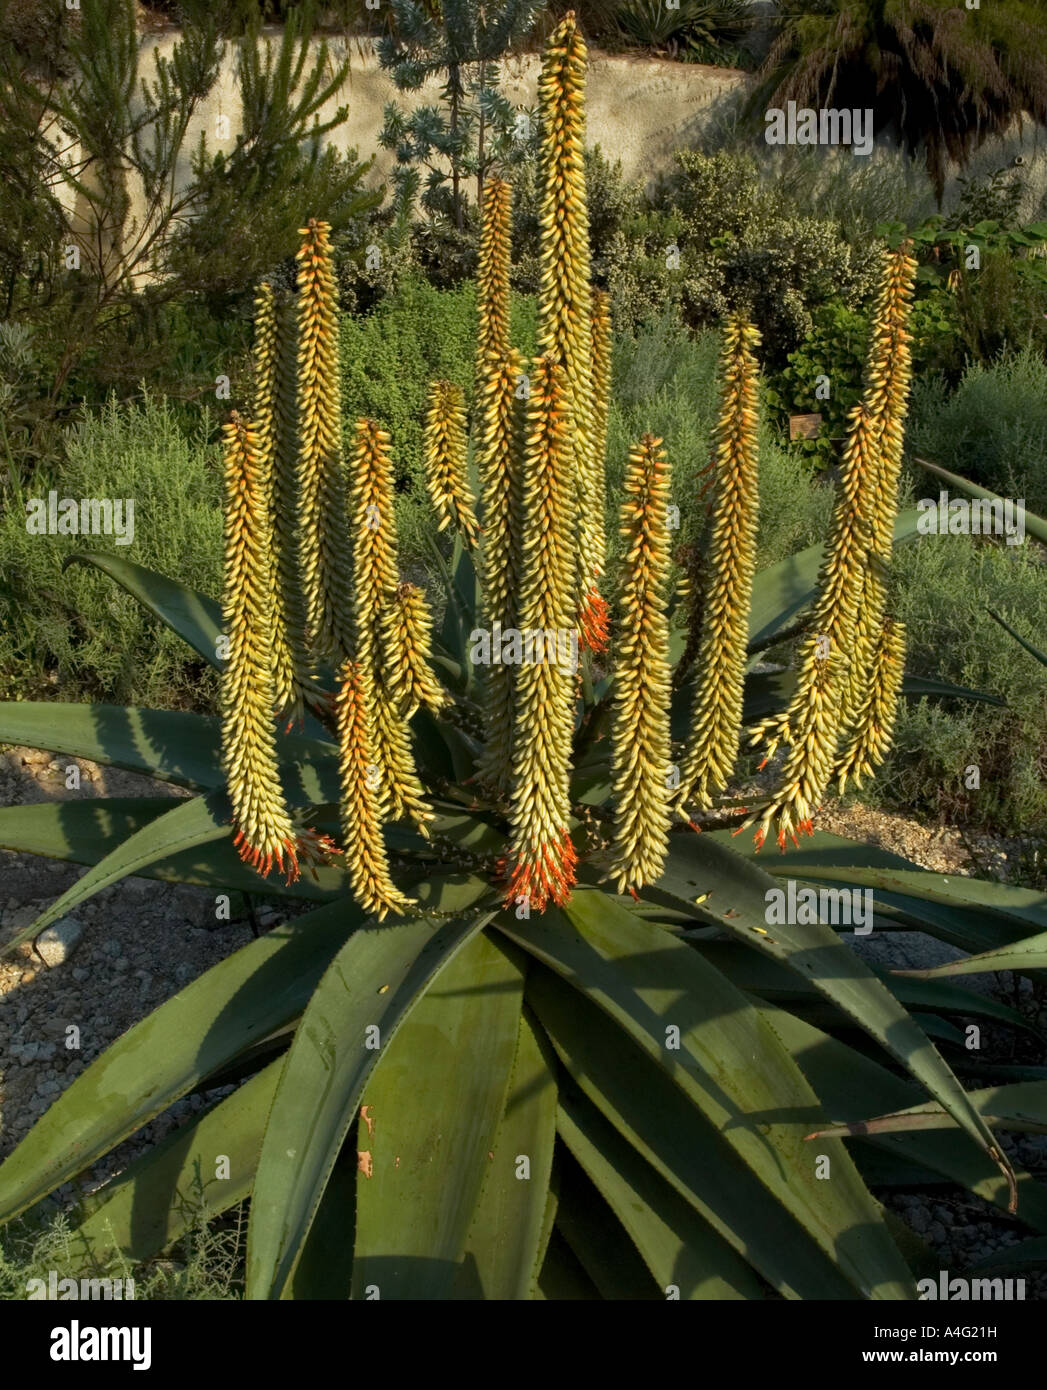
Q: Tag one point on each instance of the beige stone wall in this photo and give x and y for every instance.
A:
(639, 109)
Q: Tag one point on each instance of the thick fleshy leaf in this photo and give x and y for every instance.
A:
(244, 998)
(1041, 657)
(679, 1248)
(85, 832)
(373, 982)
(1022, 1106)
(188, 825)
(1029, 954)
(203, 1167)
(80, 831)
(717, 1049)
(604, 1250)
(432, 1111)
(1034, 525)
(636, 1096)
(196, 618)
(1027, 1254)
(737, 900)
(505, 1239)
(851, 1084)
(755, 973)
(832, 858)
(166, 745)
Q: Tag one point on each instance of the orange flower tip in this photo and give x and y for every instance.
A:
(696, 828)
(634, 895)
(781, 841)
(762, 765)
(758, 838)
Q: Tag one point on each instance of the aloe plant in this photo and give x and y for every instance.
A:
(472, 1068)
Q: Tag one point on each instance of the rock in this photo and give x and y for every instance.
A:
(121, 963)
(919, 1219)
(59, 941)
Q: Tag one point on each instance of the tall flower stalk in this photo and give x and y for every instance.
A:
(264, 832)
(499, 463)
(564, 299)
(641, 739)
(376, 583)
(542, 854)
(850, 662)
(719, 682)
(444, 453)
(322, 553)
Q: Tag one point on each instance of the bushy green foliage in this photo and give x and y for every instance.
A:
(991, 429)
(75, 626)
(944, 586)
(982, 287)
(388, 360)
(716, 236)
(834, 349)
(206, 1264)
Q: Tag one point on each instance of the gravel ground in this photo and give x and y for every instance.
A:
(142, 941)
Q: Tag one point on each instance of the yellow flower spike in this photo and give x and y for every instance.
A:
(889, 378)
(372, 523)
(492, 279)
(364, 848)
(264, 831)
(542, 857)
(321, 509)
(372, 518)
(444, 446)
(719, 683)
(870, 737)
(641, 741)
(406, 638)
(812, 753)
(564, 298)
(276, 464)
(840, 576)
(498, 465)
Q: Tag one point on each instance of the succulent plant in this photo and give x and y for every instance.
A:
(471, 1068)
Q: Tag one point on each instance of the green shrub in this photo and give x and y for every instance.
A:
(716, 236)
(388, 360)
(944, 585)
(991, 429)
(76, 627)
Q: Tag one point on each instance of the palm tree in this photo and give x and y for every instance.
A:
(944, 77)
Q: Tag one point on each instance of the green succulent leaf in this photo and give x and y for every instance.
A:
(417, 1196)
(502, 1252)
(737, 901)
(374, 981)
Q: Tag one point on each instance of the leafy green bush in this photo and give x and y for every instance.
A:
(74, 626)
(945, 585)
(716, 236)
(388, 360)
(991, 429)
